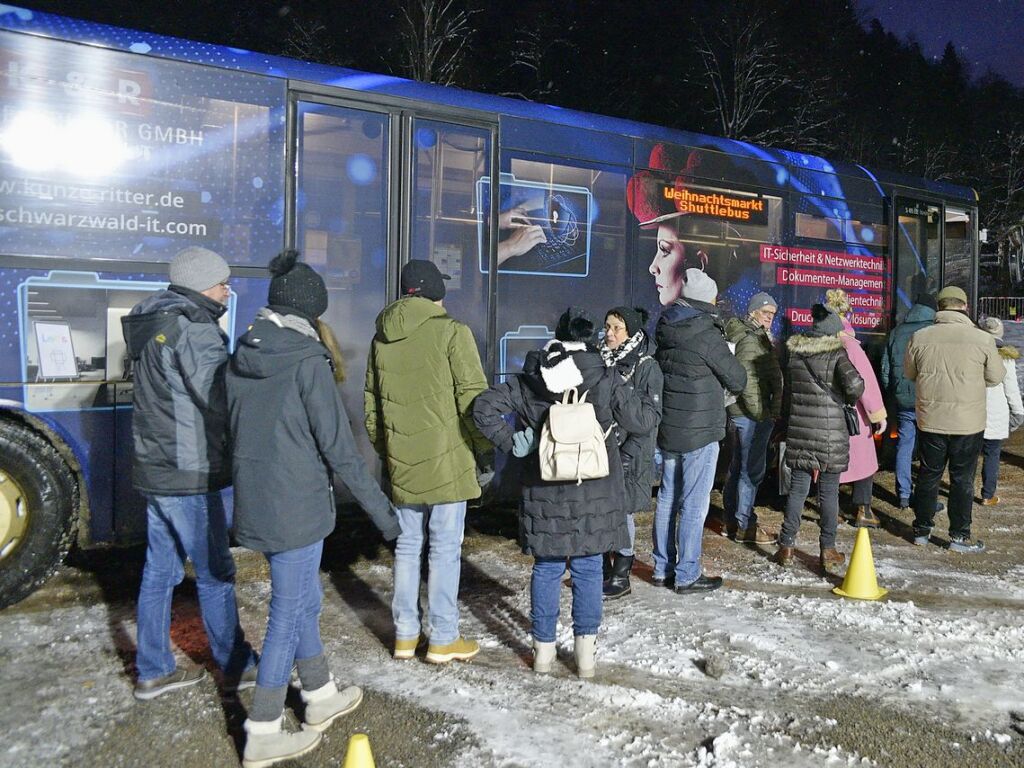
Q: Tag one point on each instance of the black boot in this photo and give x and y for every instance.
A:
(618, 583)
(607, 568)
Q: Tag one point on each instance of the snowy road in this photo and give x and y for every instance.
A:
(772, 671)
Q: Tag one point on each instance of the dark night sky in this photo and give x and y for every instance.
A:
(988, 34)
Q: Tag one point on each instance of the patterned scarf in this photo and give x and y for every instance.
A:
(613, 357)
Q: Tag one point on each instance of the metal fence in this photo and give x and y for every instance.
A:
(1003, 307)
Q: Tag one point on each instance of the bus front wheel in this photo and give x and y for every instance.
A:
(38, 503)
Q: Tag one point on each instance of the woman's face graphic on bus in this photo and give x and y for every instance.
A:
(671, 260)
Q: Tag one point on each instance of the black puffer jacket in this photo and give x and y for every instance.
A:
(291, 434)
(640, 371)
(179, 427)
(697, 364)
(816, 436)
(563, 519)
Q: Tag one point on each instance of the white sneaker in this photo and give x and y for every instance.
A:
(543, 656)
(266, 744)
(584, 649)
(326, 704)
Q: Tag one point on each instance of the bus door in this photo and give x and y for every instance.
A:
(959, 251)
(917, 251)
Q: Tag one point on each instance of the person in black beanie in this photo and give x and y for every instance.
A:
(629, 350)
(290, 433)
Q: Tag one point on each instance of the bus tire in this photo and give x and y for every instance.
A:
(38, 509)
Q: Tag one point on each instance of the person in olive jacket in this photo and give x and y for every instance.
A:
(628, 349)
(422, 376)
(753, 416)
(563, 520)
(698, 365)
(290, 433)
(817, 440)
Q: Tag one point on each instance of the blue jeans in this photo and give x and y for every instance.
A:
(746, 471)
(293, 628)
(446, 524)
(192, 527)
(683, 501)
(906, 437)
(991, 451)
(587, 581)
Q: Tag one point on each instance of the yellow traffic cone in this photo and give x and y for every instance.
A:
(860, 582)
(359, 754)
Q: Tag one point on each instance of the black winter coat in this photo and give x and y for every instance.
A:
(697, 364)
(816, 436)
(179, 425)
(290, 433)
(640, 371)
(563, 519)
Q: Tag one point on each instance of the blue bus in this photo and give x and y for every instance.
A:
(118, 148)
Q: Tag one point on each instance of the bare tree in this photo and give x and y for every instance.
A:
(434, 37)
(1004, 167)
(926, 158)
(535, 51)
(307, 39)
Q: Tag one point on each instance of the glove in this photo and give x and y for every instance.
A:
(484, 471)
(524, 443)
(1016, 420)
(880, 427)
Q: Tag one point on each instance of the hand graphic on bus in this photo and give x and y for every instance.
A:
(519, 236)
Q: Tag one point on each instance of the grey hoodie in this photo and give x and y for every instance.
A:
(290, 434)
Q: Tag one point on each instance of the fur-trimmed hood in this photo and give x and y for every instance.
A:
(1008, 352)
(562, 365)
(807, 345)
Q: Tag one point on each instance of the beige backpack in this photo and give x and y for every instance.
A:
(572, 443)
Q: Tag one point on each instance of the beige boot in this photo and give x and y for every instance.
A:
(584, 649)
(543, 656)
(326, 704)
(866, 517)
(266, 743)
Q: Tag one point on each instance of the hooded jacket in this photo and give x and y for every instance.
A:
(816, 436)
(421, 379)
(290, 433)
(697, 365)
(179, 425)
(563, 519)
(1004, 398)
(761, 398)
(952, 362)
(639, 371)
(894, 381)
(870, 411)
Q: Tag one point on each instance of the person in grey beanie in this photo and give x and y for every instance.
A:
(752, 416)
(820, 377)
(291, 435)
(180, 464)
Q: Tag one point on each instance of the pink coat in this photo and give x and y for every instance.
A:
(870, 407)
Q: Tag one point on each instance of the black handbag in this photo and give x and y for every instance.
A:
(849, 411)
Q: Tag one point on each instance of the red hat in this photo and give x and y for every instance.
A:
(644, 190)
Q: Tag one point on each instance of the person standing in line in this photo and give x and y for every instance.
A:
(1004, 412)
(180, 463)
(819, 376)
(870, 410)
(423, 374)
(574, 521)
(697, 364)
(627, 348)
(753, 417)
(952, 362)
(291, 434)
(902, 391)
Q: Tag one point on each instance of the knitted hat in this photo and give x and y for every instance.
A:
(296, 287)
(699, 286)
(825, 322)
(198, 269)
(926, 300)
(759, 300)
(635, 318)
(993, 325)
(575, 324)
(952, 292)
(422, 278)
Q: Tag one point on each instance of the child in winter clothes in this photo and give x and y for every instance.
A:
(290, 434)
(564, 519)
(1004, 413)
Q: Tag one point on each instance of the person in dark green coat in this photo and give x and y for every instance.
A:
(421, 379)
(752, 416)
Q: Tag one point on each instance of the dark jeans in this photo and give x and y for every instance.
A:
(828, 503)
(990, 467)
(961, 453)
(863, 491)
